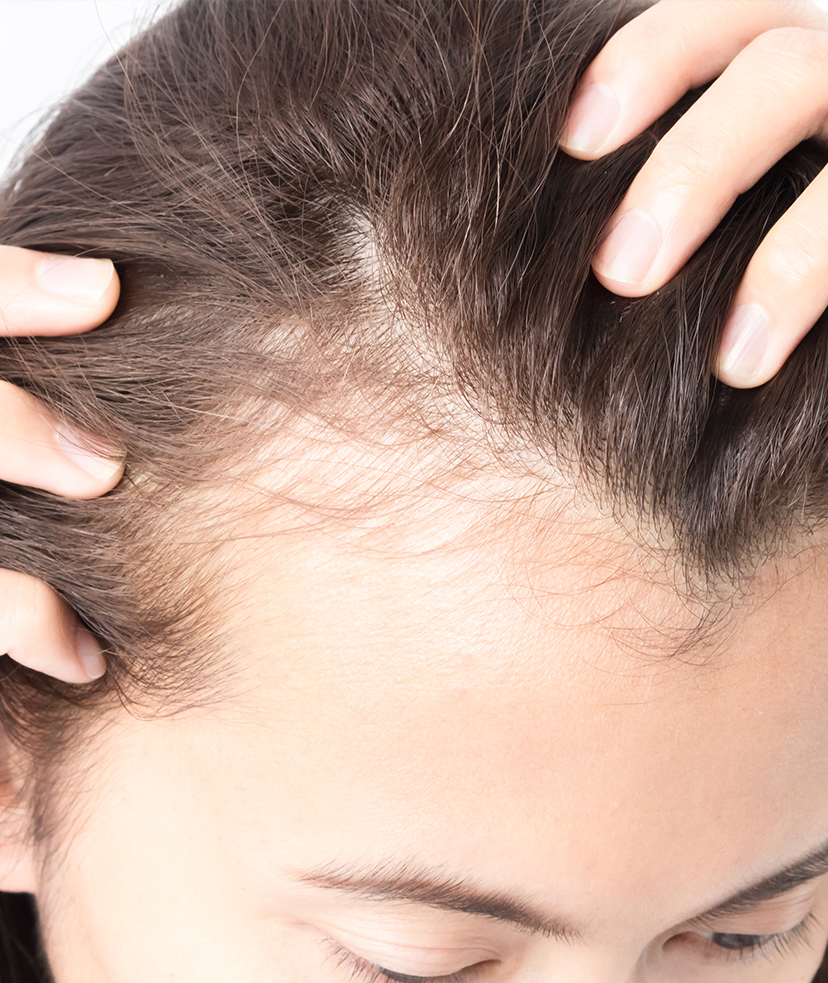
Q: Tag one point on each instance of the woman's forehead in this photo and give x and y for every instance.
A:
(443, 679)
(466, 707)
(444, 722)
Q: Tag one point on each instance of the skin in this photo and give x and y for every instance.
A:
(493, 707)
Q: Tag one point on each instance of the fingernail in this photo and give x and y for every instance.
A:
(80, 280)
(592, 118)
(77, 448)
(627, 253)
(90, 654)
(744, 341)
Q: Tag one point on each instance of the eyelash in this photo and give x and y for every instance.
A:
(768, 946)
(365, 972)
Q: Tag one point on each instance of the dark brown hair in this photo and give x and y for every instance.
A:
(308, 199)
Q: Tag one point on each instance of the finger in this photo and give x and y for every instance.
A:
(39, 630)
(672, 47)
(773, 96)
(44, 294)
(38, 450)
(783, 292)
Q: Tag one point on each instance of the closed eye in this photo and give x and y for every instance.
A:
(737, 945)
(361, 970)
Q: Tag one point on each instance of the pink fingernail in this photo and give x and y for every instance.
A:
(77, 448)
(744, 341)
(81, 280)
(628, 252)
(90, 654)
(592, 118)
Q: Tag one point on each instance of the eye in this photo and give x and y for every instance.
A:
(744, 945)
(732, 942)
(386, 974)
(358, 969)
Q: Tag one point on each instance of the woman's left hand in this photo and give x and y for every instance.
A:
(770, 62)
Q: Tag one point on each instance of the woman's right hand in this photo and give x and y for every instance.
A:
(44, 294)
(769, 60)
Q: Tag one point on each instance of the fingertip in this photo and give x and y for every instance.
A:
(101, 462)
(736, 381)
(624, 261)
(87, 288)
(593, 116)
(620, 287)
(90, 655)
(39, 630)
(742, 360)
(40, 450)
(52, 294)
(109, 298)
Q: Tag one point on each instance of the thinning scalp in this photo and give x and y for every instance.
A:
(308, 199)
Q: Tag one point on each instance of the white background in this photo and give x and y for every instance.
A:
(47, 47)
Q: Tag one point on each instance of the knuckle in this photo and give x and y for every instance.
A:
(683, 160)
(645, 35)
(667, 30)
(794, 256)
(796, 48)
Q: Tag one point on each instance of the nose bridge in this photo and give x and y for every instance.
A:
(554, 961)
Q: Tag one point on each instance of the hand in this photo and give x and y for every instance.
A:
(771, 93)
(42, 294)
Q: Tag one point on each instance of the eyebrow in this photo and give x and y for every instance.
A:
(417, 885)
(813, 865)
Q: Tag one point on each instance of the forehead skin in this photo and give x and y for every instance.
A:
(464, 692)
